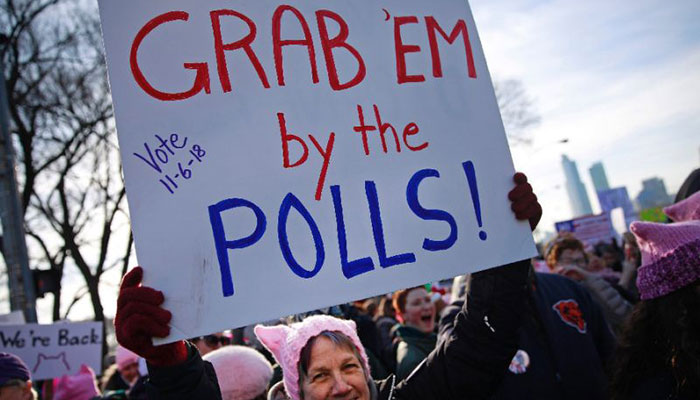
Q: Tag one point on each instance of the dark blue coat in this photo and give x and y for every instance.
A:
(563, 344)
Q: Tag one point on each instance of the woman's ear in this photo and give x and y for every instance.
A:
(27, 392)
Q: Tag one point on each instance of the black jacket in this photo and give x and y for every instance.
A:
(468, 364)
(194, 379)
(563, 344)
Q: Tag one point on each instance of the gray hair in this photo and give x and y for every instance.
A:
(337, 338)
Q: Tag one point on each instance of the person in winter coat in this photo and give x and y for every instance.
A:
(385, 321)
(15, 379)
(124, 373)
(566, 257)
(416, 334)
(80, 386)
(658, 355)
(322, 357)
(563, 343)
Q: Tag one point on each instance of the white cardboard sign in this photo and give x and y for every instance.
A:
(282, 157)
(51, 351)
(13, 318)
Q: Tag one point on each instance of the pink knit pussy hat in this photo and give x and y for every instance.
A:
(242, 372)
(76, 387)
(125, 357)
(685, 210)
(286, 342)
(670, 256)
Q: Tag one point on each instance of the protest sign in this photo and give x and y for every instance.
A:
(655, 214)
(280, 158)
(611, 199)
(13, 318)
(55, 350)
(590, 230)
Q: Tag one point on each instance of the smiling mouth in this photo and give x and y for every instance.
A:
(426, 318)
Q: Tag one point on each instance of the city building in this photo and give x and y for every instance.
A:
(653, 194)
(600, 180)
(580, 205)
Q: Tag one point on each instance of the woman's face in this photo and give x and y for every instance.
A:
(420, 311)
(334, 373)
(130, 373)
(209, 343)
(16, 392)
(611, 259)
(595, 263)
(571, 257)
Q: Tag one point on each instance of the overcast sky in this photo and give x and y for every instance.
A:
(619, 79)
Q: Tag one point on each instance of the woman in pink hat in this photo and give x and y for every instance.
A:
(322, 357)
(80, 386)
(658, 354)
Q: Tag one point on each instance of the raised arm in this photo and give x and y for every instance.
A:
(470, 361)
(176, 371)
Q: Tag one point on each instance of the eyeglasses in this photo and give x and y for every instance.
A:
(213, 340)
(578, 261)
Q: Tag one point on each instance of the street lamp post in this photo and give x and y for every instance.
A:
(14, 247)
(546, 145)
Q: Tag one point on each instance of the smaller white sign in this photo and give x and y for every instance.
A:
(590, 229)
(55, 350)
(13, 318)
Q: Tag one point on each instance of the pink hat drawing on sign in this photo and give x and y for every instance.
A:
(51, 362)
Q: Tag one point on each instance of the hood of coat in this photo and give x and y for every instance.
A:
(277, 391)
(414, 337)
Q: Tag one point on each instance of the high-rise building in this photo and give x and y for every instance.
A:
(653, 194)
(580, 205)
(600, 180)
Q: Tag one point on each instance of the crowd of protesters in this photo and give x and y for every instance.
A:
(613, 320)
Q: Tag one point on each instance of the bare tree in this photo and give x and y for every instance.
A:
(62, 122)
(517, 110)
